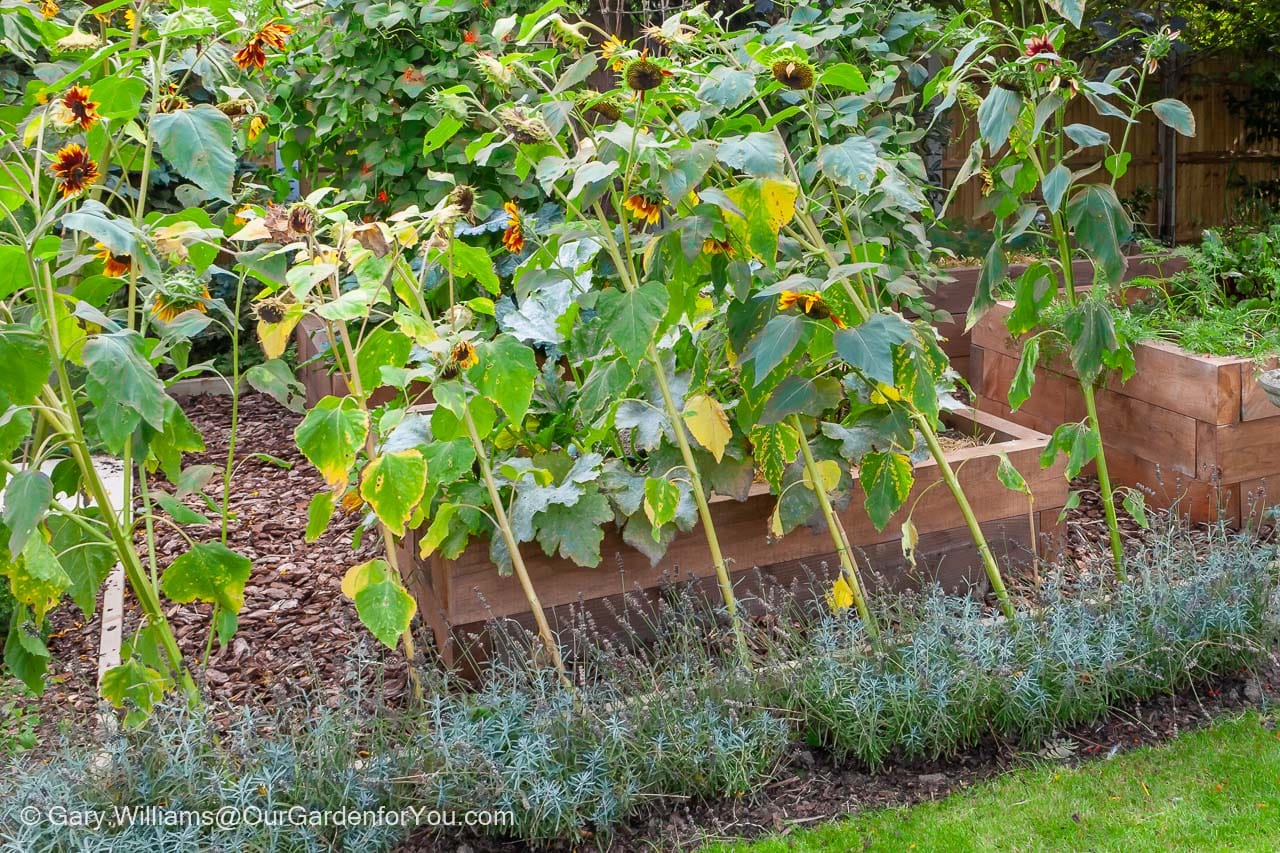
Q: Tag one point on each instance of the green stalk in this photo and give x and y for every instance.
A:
(970, 520)
(513, 549)
(838, 535)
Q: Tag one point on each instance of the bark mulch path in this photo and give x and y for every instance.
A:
(297, 632)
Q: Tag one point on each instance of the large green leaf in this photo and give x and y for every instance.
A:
(1100, 225)
(382, 603)
(760, 155)
(473, 262)
(604, 386)
(209, 572)
(631, 318)
(775, 342)
(661, 500)
(761, 207)
(119, 98)
(726, 87)
(25, 653)
(26, 364)
(115, 232)
(1025, 377)
(383, 347)
(886, 479)
(135, 687)
(330, 436)
(1092, 332)
(851, 163)
(575, 532)
(1078, 442)
(197, 144)
(868, 347)
(996, 116)
(797, 395)
(1176, 115)
(506, 374)
(393, 484)
(1032, 295)
(123, 387)
(26, 500)
(1055, 186)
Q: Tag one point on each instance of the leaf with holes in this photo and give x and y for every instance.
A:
(209, 572)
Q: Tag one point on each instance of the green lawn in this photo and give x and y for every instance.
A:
(1217, 789)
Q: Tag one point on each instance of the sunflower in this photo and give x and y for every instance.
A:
(645, 207)
(182, 292)
(270, 310)
(463, 197)
(464, 355)
(252, 55)
(49, 9)
(565, 34)
(810, 304)
(794, 73)
(513, 237)
(256, 125)
(74, 169)
(610, 50)
(172, 100)
(642, 74)
(351, 501)
(712, 246)
(113, 264)
(605, 106)
(76, 109)
(1038, 45)
(525, 128)
(302, 218)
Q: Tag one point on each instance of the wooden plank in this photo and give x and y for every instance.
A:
(1238, 452)
(1207, 388)
(1200, 500)
(1254, 403)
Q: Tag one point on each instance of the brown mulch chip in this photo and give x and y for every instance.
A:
(297, 633)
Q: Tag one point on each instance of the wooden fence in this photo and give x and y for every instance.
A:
(1192, 184)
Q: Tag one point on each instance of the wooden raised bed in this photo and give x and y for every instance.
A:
(1192, 429)
(457, 597)
(956, 296)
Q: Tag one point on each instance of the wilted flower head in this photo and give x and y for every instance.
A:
(646, 207)
(463, 197)
(642, 74)
(566, 34)
(78, 40)
(794, 72)
(513, 236)
(182, 291)
(253, 54)
(525, 128)
(596, 103)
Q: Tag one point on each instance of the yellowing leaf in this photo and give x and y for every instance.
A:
(767, 205)
(779, 202)
(841, 595)
(392, 484)
(708, 423)
(885, 393)
(828, 473)
(775, 522)
(254, 229)
(274, 337)
(910, 539)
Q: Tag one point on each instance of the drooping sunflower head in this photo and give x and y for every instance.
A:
(643, 74)
(513, 237)
(76, 109)
(256, 125)
(598, 104)
(74, 169)
(794, 72)
(810, 304)
(78, 40)
(270, 310)
(181, 292)
(464, 355)
(171, 99)
(524, 127)
(463, 197)
(302, 218)
(114, 264)
(646, 207)
(712, 246)
(49, 9)
(253, 55)
(567, 35)
(236, 107)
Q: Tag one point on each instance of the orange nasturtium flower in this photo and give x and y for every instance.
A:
(513, 237)
(252, 55)
(74, 169)
(647, 208)
(113, 264)
(810, 304)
